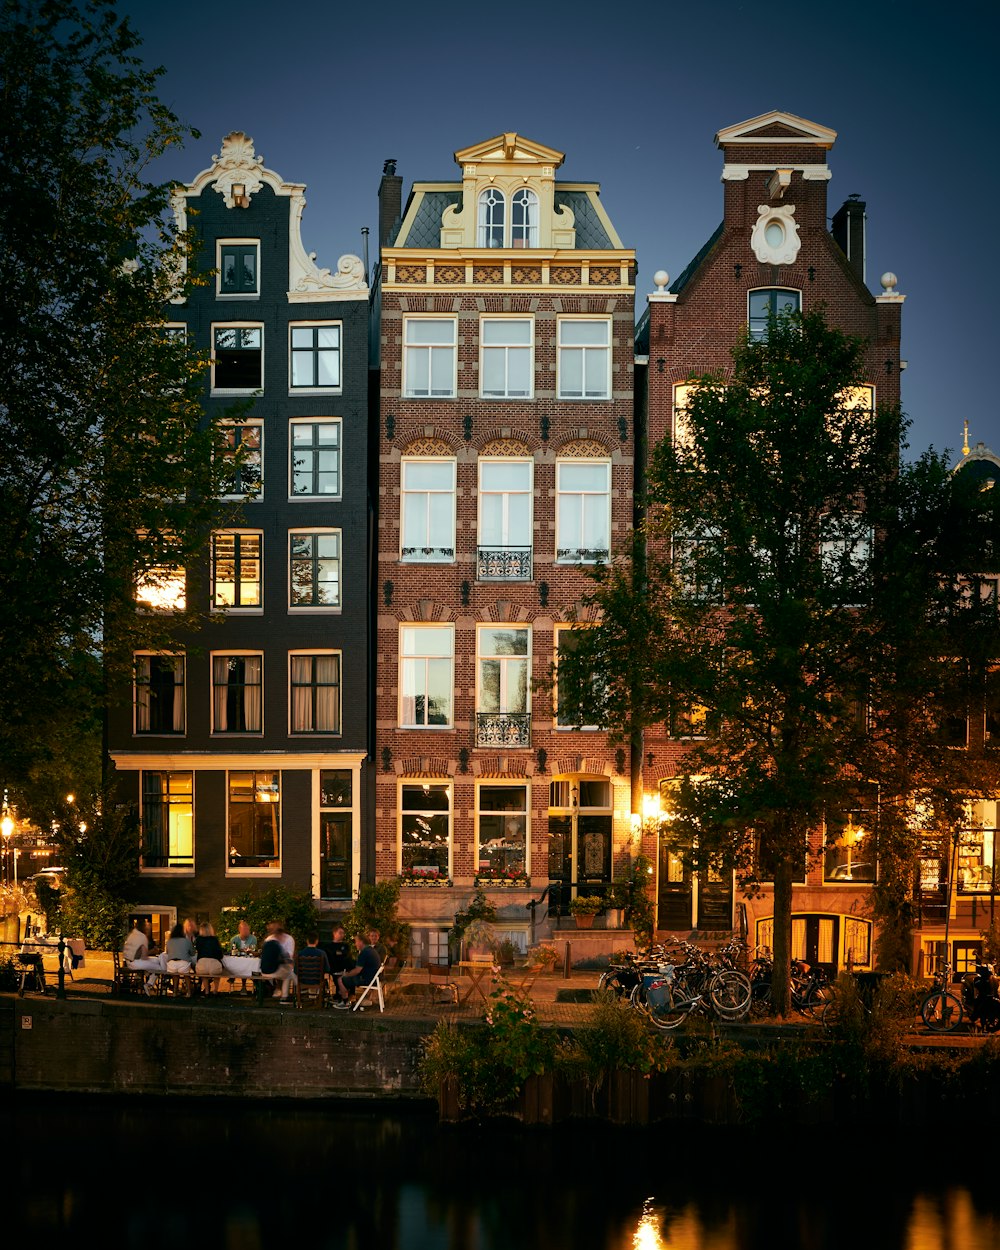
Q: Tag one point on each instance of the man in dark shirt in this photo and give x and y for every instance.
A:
(338, 953)
(363, 973)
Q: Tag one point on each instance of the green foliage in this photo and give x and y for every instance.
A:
(109, 470)
(630, 892)
(489, 1061)
(99, 845)
(377, 907)
(587, 904)
(481, 910)
(617, 1039)
(258, 906)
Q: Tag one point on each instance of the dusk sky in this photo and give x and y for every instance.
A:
(634, 97)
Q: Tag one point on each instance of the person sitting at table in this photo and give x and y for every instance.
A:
(209, 950)
(136, 954)
(244, 943)
(312, 965)
(285, 938)
(338, 953)
(375, 943)
(362, 974)
(275, 965)
(179, 952)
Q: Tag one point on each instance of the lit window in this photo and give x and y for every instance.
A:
(238, 358)
(159, 694)
(315, 459)
(243, 464)
(315, 687)
(425, 832)
(502, 835)
(505, 368)
(238, 268)
(428, 510)
(426, 675)
(237, 694)
(767, 305)
(583, 511)
(505, 498)
(162, 588)
(236, 569)
(167, 820)
(429, 357)
(584, 364)
(503, 717)
(254, 820)
(314, 569)
(315, 352)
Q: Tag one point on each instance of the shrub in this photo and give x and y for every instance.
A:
(376, 907)
(617, 1039)
(258, 906)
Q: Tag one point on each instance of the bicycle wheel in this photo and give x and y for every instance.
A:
(941, 1012)
(730, 993)
(668, 1015)
(814, 1001)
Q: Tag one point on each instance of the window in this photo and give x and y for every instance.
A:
(977, 866)
(845, 555)
(429, 357)
(425, 832)
(573, 706)
(503, 717)
(238, 358)
(688, 720)
(159, 694)
(505, 498)
(492, 219)
(502, 835)
(314, 459)
(584, 358)
(583, 511)
(162, 588)
(314, 569)
(238, 268)
(766, 305)
(426, 675)
(236, 570)
(254, 820)
(315, 687)
(315, 352)
(237, 694)
(849, 843)
(697, 559)
(428, 510)
(243, 463)
(167, 820)
(505, 368)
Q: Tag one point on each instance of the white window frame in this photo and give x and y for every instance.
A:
(410, 349)
(238, 609)
(505, 349)
(315, 449)
(317, 531)
(498, 784)
(230, 654)
(234, 432)
(576, 554)
(491, 232)
(505, 495)
(412, 552)
(563, 351)
(237, 325)
(316, 388)
(253, 871)
(420, 660)
(139, 656)
(314, 653)
(506, 663)
(525, 233)
(236, 295)
(449, 789)
(165, 870)
(558, 725)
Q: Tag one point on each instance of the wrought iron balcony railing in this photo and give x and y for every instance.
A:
(503, 729)
(503, 564)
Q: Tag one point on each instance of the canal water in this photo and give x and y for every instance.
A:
(218, 1176)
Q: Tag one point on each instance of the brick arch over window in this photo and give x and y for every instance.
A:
(428, 447)
(583, 449)
(507, 448)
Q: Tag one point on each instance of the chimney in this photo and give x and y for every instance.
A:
(848, 230)
(390, 201)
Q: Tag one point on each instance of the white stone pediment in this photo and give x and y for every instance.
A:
(777, 127)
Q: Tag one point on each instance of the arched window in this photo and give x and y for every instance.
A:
(768, 303)
(524, 218)
(491, 218)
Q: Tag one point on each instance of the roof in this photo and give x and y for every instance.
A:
(680, 283)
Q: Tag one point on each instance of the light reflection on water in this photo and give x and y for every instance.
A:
(192, 1175)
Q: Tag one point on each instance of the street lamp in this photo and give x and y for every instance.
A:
(7, 828)
(849, 839)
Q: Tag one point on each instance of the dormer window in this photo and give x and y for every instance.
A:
(494, 228)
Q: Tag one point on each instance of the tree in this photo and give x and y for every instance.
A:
(763, 595)
(107, 474)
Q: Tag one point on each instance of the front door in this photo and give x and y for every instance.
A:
(336, 825)
(580, 823)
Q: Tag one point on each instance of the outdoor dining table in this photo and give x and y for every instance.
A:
(39, 945)
(476, 970)
(241, 965)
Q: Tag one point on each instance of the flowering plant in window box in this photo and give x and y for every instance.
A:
(506, 880)
(426, 875)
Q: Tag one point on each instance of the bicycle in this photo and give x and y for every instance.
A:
(670, 994)
(941, 1010)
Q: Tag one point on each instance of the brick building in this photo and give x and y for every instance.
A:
(243, 748)
(772, 251)
(504, 338)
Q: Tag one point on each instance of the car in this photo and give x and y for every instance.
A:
(856, 872)
(52, 877)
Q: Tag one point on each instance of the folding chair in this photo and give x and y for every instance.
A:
(374, 984)
(442, 988)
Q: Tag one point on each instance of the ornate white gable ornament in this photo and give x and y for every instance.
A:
(775, 236)
(238, 165)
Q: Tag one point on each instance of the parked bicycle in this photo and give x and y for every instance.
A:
(809, 987)
(941, 1010)
(701, 983)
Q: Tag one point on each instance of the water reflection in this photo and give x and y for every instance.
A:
(150, 1174)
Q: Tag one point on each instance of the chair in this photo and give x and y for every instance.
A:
(126, 980)
(374, 984)
(32, 974)
(310, 978)
(440, 984)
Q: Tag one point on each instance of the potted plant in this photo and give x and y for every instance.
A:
(544, 958)
(480, 939)
(585, 907)
(506, 953)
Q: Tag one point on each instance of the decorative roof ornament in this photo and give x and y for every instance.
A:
(238, 165)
